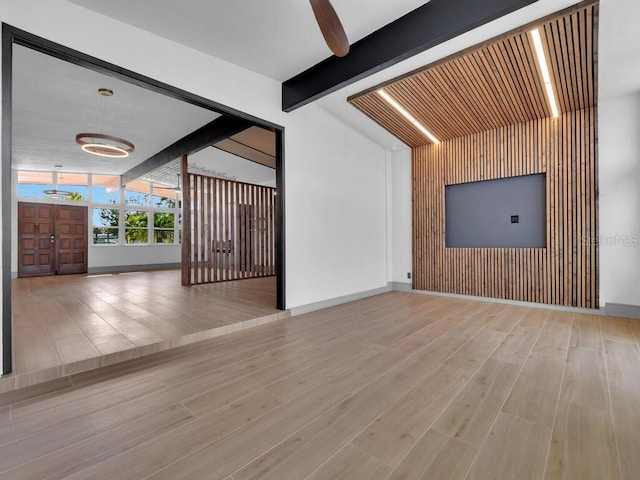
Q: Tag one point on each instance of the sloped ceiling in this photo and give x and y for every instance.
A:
(493, 85)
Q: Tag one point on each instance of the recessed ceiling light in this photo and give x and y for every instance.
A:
(407, 115)
(544, 70)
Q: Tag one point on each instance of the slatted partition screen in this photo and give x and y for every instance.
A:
(563, 273)
(228, 230)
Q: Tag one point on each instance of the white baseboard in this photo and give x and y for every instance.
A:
(332, 302)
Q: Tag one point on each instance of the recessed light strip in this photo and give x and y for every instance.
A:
(544, 70)
(407, 115)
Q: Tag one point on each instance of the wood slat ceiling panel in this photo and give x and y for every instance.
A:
(389, 119)
(496, 85)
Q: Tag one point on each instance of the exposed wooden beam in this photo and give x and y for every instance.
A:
(219, 129)
(423, 28)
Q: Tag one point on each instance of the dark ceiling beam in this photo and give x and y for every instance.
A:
(219, 129)
(419, 30)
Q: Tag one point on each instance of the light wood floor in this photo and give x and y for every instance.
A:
(398, 386)
(63, 319)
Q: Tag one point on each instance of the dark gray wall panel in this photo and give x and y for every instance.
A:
(478, 214)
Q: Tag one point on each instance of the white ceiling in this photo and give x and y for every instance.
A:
(49, 109)
(277, 38)
(62, 100)
(214, 162)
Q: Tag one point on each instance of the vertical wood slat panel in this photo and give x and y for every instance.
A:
(186, 223)
(228, 230)
(563, 273)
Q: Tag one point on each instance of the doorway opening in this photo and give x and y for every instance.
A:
(13, 37)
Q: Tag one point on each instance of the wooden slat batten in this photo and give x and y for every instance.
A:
(563, 273)
(495, 85)
(186, 222)
(229, 230)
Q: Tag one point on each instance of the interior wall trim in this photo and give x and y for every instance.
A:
(12, 35)
(115, 269)
(332, 302)
(516, 303)
(622, 310)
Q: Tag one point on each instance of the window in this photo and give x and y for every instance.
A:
(164, 197)
(164, 227)
(33, 184)
(105, 189)
(106, 222)
(75, 183)
(137, 193)
(136, 223)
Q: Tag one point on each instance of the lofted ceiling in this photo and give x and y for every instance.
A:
(493, 85)
(276, 38)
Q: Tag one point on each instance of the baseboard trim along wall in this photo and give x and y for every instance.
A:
(512, 302)
(124, 268)
(622, 310)
(132, 268)
(611, 309)
(332, 302)
(401, 287)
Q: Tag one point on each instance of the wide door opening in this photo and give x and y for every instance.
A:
(127, 242)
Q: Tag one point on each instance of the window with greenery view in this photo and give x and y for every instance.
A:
(105, 226)
(136, 226)
(163, 227)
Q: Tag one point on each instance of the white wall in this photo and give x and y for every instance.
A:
(335, 177)
(104, 257)
(619, 152)
(401, 220)
(619, 142)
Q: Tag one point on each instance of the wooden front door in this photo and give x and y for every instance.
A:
(36, 247)
(52, 239)
(71, 239)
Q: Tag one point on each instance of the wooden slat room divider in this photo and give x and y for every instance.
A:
(228, 230)
(563, 273)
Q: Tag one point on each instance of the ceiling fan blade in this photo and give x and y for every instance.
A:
(330, 26)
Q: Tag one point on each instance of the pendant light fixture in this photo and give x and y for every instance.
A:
(105, 145)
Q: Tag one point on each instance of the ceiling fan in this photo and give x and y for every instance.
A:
(330, 26)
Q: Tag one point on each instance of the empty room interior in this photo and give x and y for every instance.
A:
(320, 240)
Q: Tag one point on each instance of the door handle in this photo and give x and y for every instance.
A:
(52, 238)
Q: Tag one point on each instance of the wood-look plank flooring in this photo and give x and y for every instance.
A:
(397, 386)
(59, 320)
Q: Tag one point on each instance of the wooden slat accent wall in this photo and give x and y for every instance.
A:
(232, 230)
(563, 273)
(495, 85)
